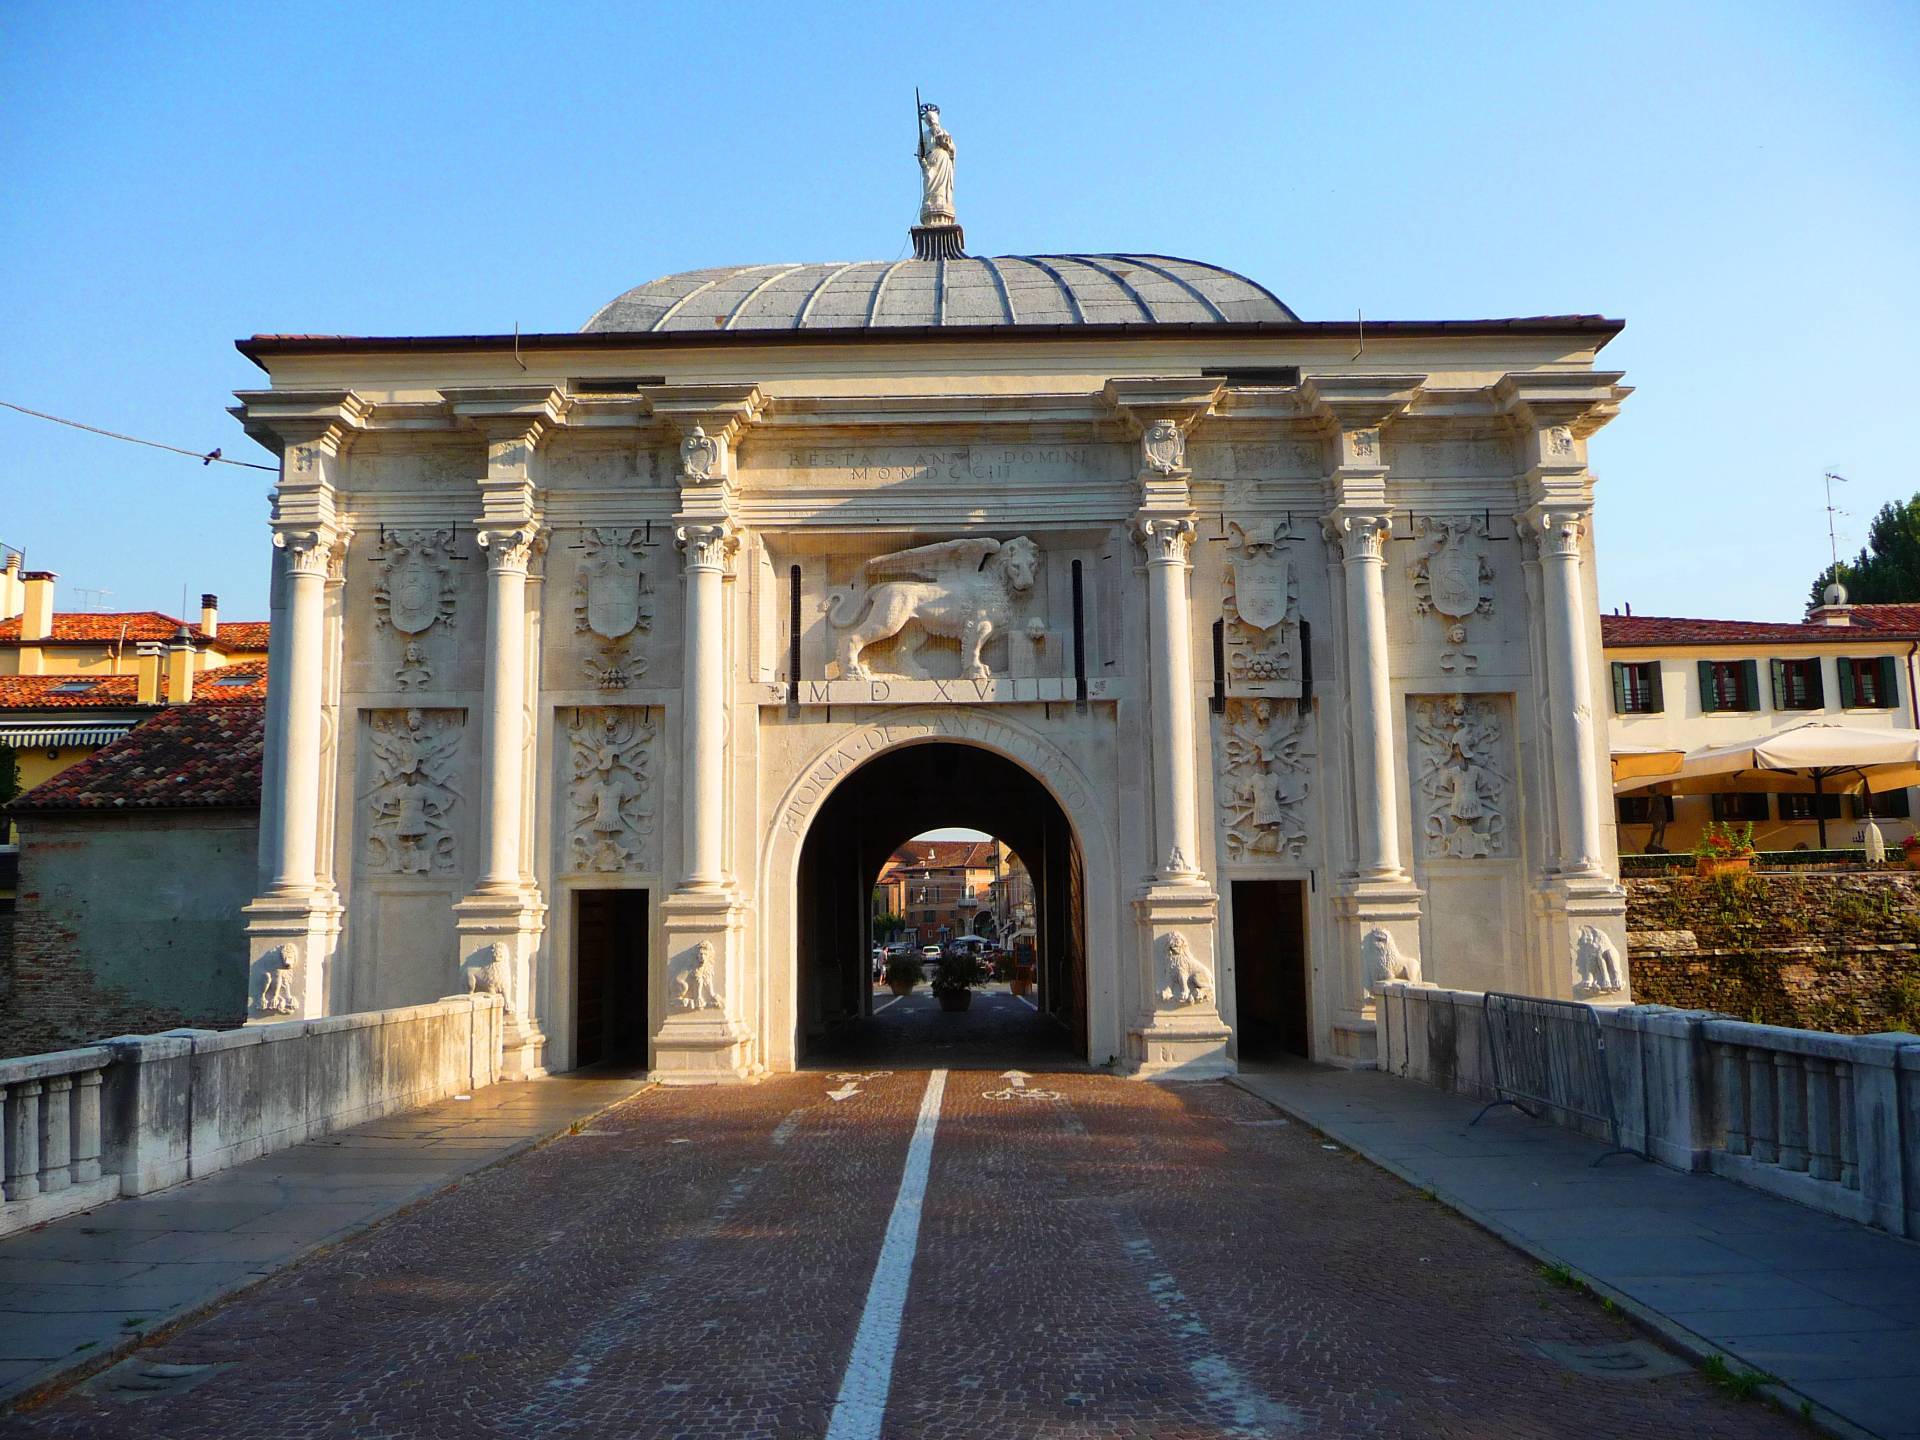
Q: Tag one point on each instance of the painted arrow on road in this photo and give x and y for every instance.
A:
(845, 1092)
(1016, 1078)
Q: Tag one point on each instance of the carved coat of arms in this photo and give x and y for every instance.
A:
(1452, 576)
(1164, 446)
(609, 597)
(700, 457)
(416, 587)
(1263, 609)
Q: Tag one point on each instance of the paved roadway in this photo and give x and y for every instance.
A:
(1091, 1257)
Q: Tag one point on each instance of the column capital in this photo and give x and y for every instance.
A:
(707, 547)
(311, 550)
(1166, 538)
(1556, 529)
(512, 550)
(1361, 534)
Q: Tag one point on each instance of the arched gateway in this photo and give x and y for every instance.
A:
(575, 637)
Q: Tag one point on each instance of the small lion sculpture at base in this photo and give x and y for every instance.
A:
(1188, 981)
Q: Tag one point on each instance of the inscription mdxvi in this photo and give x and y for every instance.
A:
(888, 465)
(891, 690)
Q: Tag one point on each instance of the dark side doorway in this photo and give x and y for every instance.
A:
(610, 1021)
(1271, 1015)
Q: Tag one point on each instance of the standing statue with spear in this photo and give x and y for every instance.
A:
(936, 167)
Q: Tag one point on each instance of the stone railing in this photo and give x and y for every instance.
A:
(1832, 1121)
(142, 1112)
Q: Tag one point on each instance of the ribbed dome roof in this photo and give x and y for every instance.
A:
(976, 291)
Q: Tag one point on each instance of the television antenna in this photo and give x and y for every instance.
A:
(1833, 535)
(92, 598)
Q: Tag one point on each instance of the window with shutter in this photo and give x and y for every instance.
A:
(1619, 688)
(1656, 699)
(1709, 697)
(1889, 683)
(1778, 670)
(1843, 667)
(1749, 685)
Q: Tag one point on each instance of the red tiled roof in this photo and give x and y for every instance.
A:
(87, 627)
(1620, 631)
(36, 692)
(227, 683)
(1902, 619)
(942, 855)
(242, 636)
(185, 757)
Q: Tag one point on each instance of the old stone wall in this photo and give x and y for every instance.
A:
(127, 924)
(1816, 951)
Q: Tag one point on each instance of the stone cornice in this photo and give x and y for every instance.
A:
(1143, 399)
(1583, 400)
(524, 413)
(280, 419)
(1359, 402)
(722, 411)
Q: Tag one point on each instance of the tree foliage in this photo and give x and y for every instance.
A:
(1887, 570)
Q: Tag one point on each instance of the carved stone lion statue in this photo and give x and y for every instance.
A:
(1596, 963)
(1384, 962)
(276, 982)
(695, 987)
(1188, 981)
(490, 972)
(961, 590)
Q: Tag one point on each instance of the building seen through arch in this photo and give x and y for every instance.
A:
(609, 667)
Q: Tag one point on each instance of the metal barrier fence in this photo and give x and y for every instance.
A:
(1549, 1054)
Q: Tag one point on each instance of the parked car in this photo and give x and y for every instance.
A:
(929, 952)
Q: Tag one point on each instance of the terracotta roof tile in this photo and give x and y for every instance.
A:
(1892, 619)
(226, 684)
(187, 757)
(106, 626)
(1619, 631)
(42, 692)
(942, 855)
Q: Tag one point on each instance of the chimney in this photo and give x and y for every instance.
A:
(36, 612)
(147, 687)
(1833, 608)
(13, 595)
(180, 668)
(210, 615)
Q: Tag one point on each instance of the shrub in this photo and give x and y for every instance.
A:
(905, 970)
(956, 973)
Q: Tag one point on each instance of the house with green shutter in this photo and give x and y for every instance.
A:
(1680, 684)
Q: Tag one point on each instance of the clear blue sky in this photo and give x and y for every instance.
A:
(1740, 182)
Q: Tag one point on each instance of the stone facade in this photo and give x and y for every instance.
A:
(1838, 952)
(543, 628)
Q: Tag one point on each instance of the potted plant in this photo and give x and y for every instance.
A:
(903, 973)
(954, 979)
(1724, 849)
(1910, 847)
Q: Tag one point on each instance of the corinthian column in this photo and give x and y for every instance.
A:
(308, 555)
(508, 555)
(707, 549)
(1362, 537)
(1575, 769)
(1175, 794)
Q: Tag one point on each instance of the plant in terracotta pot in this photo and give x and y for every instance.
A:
(1910, 847)
(1724, 849)
(903, 973)
(954, 979)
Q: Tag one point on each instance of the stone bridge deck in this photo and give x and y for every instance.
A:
(947, 1253)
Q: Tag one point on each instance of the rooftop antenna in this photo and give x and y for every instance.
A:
(91, 597)
(1833, 535)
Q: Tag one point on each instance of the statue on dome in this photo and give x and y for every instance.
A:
(936, 169)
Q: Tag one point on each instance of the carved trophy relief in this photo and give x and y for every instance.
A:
(414, 593)
(409, 811)
(609, 779)
(1264, 787)
(1461, 777)
(966, 591)
(611, 605)
(1262, 610)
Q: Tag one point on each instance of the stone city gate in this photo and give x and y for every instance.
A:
(577, 634)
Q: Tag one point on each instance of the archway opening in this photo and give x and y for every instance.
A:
(867, 885)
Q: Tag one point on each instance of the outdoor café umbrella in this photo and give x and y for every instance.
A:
(1834, 757)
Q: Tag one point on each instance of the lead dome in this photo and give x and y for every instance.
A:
(1004, 290)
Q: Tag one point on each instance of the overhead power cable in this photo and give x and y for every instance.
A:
(208, 457)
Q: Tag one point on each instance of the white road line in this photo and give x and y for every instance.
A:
(862, 1403)
(878, 1008)
(1026, 1002)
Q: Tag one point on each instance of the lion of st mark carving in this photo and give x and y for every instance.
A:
(965, 590)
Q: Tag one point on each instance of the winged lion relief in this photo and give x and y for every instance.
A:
(963, 590)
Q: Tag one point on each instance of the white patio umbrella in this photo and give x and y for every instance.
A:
(1836, 757)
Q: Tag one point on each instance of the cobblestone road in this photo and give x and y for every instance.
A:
(1095, 1258)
